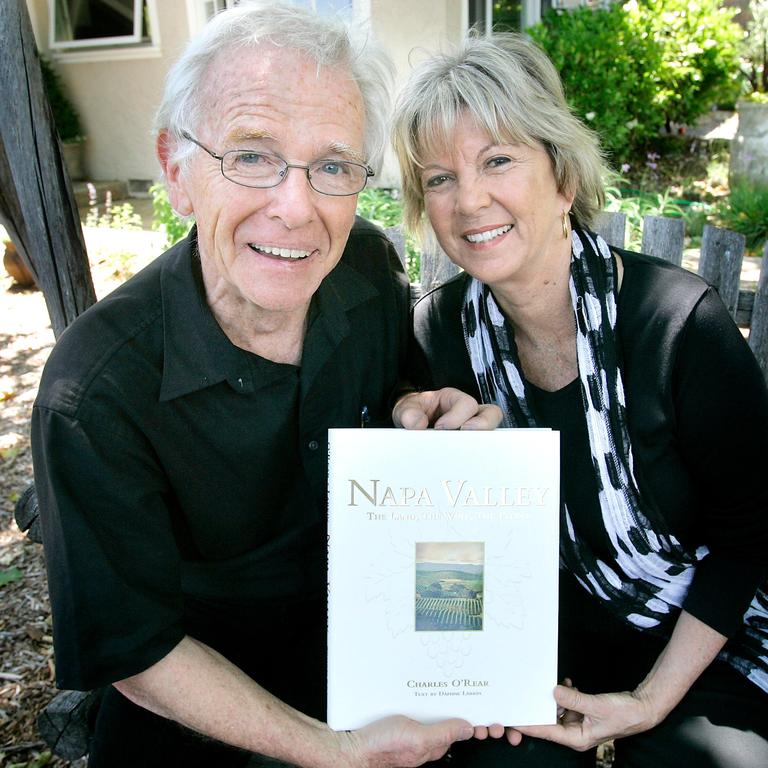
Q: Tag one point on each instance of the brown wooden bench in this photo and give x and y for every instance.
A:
(719, 263)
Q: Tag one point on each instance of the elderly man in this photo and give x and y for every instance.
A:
(180, 428)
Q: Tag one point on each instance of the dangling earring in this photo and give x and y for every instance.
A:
(566, 225)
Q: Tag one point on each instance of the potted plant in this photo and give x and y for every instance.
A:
(13, 264)
(66, 119)
(749, 151)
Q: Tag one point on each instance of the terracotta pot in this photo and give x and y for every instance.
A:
(16, 268)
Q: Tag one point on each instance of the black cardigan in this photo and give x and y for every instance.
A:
(697, 415)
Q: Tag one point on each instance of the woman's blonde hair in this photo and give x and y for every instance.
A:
(513, 92)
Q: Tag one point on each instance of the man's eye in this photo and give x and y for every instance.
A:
(498, 162)
(251, 158)
(334, 168)
(434, 182)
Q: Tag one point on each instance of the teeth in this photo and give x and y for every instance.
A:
(283, 253)
(484, 237)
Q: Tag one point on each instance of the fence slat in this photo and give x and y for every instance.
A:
(664, 238)
(758, 332)
(436, 267)
(395, 234)
(612, 227)
(722, 254)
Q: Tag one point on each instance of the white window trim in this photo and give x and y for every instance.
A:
(151, 50)
(530, 14)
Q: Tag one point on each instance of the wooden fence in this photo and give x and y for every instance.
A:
(720, 262)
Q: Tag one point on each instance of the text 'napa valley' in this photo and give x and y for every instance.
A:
(453, 494)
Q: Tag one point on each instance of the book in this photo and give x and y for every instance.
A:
(443, 558)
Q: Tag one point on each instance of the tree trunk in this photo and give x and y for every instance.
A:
(37, 205)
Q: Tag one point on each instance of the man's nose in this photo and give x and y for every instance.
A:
(293, 199)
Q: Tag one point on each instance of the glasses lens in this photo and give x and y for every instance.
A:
(253, 169)
(338, 177)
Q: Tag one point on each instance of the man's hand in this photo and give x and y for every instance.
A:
(398, 742)
(445, 408)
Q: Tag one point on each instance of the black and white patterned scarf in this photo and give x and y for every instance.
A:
(649, 578)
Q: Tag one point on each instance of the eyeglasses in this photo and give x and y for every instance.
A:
(261, 170)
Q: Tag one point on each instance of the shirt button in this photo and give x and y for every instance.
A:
(313, 445)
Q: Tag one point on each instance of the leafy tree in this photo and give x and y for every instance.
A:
(630, 69)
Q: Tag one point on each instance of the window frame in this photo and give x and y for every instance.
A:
(98, 42)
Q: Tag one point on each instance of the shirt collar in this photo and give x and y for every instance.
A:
(197, 352)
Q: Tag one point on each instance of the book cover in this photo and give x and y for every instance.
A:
(442, 575)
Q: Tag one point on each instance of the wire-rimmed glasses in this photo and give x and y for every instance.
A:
(261, 170)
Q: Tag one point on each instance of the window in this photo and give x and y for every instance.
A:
(507, 15)
(98, 23)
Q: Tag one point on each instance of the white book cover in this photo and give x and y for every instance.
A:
(442, 575)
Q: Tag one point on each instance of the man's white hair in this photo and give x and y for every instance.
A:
(328, 40)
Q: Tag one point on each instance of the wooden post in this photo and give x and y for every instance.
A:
(664, 238)
(436, 267)
(395, 234)
(612, 227)
(722, 253)
(758, 332)
(37, 205)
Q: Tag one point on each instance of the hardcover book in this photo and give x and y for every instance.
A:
(442, 575)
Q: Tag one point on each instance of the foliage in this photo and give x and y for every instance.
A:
(630, 69)
(9, 575)
(382, 208)
(120, 216)
(699, 44)
(65, 116)
(639, 205)
(165, 219)
(745, 210)
(755, 51)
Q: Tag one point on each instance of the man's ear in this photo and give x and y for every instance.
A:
(174, 181)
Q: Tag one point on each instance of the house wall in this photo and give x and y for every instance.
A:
(117, 97)
(409, 30)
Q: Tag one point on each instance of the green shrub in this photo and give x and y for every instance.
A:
(755, 52)
(382, 208)
(165, 219)
(699, 44)
(745, 210)
(629, 70)
(65, 116)
(639, 205)
(606, 66)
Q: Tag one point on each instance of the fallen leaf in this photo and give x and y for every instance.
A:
(10, 574)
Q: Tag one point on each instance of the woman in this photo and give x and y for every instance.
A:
(664, 625)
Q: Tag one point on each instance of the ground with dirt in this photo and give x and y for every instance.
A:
(26, 651)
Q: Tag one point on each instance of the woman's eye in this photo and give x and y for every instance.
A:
(433, 182)
(497, 162)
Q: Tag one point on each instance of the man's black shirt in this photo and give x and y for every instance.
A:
(181, 479)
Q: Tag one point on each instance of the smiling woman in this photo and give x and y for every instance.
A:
(664, 586)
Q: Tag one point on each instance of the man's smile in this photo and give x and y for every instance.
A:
(282, 253)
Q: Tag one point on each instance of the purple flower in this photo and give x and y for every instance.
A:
(625, 167)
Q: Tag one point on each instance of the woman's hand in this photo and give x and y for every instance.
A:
(588, 720)
(446, 408)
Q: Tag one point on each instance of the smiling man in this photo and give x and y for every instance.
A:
(180, 431)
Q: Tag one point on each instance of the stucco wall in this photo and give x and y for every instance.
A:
(409, 30)
(116, 99)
